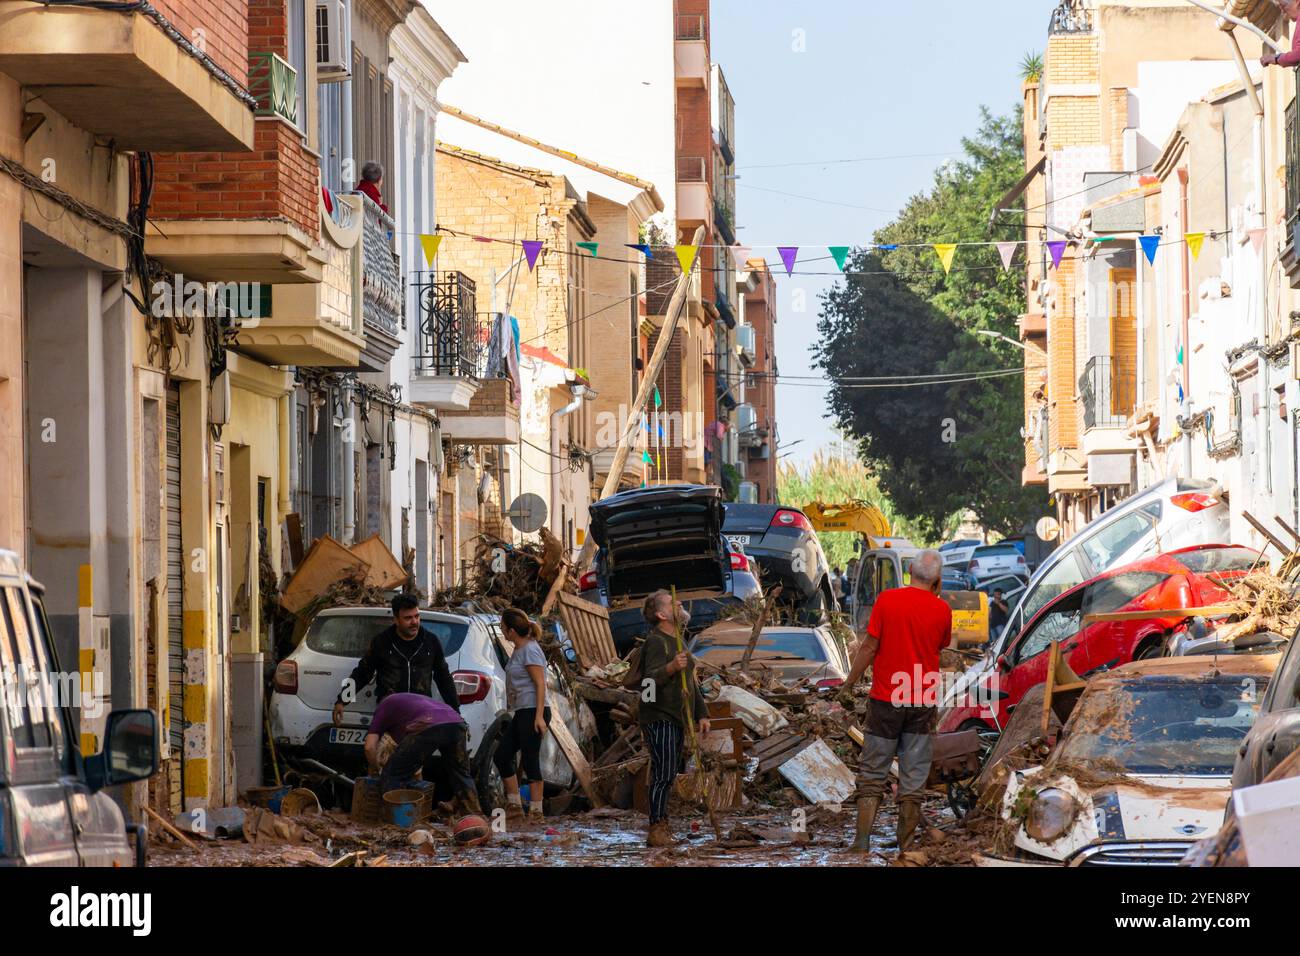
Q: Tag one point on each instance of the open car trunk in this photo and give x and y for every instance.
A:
(659, 538)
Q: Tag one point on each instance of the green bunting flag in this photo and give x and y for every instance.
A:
(841, 254)
(590, 247)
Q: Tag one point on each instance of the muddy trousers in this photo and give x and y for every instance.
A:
(417, 752)
(665, 739)
(903, 732)
(522, 739)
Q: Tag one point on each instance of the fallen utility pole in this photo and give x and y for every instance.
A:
(675, 307)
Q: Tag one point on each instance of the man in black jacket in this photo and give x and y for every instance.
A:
(404, 658)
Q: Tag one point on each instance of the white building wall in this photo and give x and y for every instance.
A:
(423, 56)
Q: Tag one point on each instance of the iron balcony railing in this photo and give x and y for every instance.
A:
(274, 83)
(722, 220)
(382, 299)
(691, 169)
(450, 336)
(690, 27)
(1070, 16)
(1107, 392)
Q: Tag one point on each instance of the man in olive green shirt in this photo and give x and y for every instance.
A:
(667, 707)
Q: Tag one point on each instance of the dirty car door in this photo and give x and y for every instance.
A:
(1276, 732)
(36, 756)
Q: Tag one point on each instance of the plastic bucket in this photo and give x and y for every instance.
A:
(1269, 818)
(298, 802)
(403, 807)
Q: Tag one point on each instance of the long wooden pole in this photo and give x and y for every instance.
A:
(675, 307)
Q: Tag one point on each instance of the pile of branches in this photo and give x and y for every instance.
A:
(1266, 603)
(507, 575)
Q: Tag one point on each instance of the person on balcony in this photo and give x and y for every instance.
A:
(372, 178)
(1291, 10)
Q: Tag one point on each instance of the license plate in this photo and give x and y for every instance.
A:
(739, 542)
(341, 735)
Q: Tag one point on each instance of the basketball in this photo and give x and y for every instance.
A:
(472, 830)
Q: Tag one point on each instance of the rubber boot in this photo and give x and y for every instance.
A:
(660, 835)
(867, 809)
(909, 816)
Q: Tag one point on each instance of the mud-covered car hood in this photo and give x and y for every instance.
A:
(1126, 809)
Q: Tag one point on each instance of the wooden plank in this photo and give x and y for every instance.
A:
(384, 571)
(293, 525)
(774, 759)
(1268, 536)
(1213, 610)
(158, 818)
(573, 753)
(587, 625)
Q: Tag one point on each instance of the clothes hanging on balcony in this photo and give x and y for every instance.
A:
(503, 353)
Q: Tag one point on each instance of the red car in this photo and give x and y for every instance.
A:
(1189, 577)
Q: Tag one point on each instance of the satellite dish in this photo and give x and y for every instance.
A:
(527, 513)
(1048, 528)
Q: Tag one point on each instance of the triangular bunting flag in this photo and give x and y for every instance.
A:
(590, 247)
(482, 239)
(788, 256)
(1057, 249)
(641, 248)
(946, 250)
(740, 256)
(686, 256)
(1194, 242)
(1257, 238)
(430, 245)
(659, 402)
(645, 457)
(841, 254)
(531, 248)
(1149, 245)
(888, 247)
(1007, 251)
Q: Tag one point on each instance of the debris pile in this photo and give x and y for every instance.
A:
(506, 575)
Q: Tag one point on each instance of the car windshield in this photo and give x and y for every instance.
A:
(349, 635)
(797, 644)
(1163, 725)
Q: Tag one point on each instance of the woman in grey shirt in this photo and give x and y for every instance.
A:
(526, 697)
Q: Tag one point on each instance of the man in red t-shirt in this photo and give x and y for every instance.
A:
(909, 626)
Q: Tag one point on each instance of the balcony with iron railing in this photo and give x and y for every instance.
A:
(1291, 241)
(382, 298)
(492, 414)
(449, 341)
(694, 197)
(723, 222)
(691, 51)
(1107, 392)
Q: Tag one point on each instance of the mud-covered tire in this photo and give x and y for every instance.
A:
(487, 780)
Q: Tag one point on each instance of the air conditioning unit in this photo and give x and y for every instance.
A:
(333, 41)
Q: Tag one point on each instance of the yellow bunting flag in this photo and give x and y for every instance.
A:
(430, 245)
(1194, 241)
(686, 256)
(946, 251)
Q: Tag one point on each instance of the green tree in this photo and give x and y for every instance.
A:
(832, 479)
(941, 448)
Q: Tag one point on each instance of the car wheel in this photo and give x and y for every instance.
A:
(1148, 651)
(813, 610)
(140, 838)
(487, 779)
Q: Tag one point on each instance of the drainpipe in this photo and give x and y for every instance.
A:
(349, 469)
(1184, 206)
(579, 393)
(285, 408)
(1261, 180)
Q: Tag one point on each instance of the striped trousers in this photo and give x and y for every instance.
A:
(665, 739)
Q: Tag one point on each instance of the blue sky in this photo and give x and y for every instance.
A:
(875, 79)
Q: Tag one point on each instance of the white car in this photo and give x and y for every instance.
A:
(307, 683)
(1174, 513)
(1142, 769)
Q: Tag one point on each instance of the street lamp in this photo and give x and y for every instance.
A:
(1025, 346)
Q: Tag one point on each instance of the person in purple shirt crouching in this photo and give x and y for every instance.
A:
(422, 727)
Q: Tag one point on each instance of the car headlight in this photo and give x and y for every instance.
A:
(1051, 814)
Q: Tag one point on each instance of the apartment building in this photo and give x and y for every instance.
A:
(756, 350)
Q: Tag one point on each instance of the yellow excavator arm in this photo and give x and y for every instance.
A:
(855, 517)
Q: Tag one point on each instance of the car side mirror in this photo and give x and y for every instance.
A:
(1002, 663)
(130, 750)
